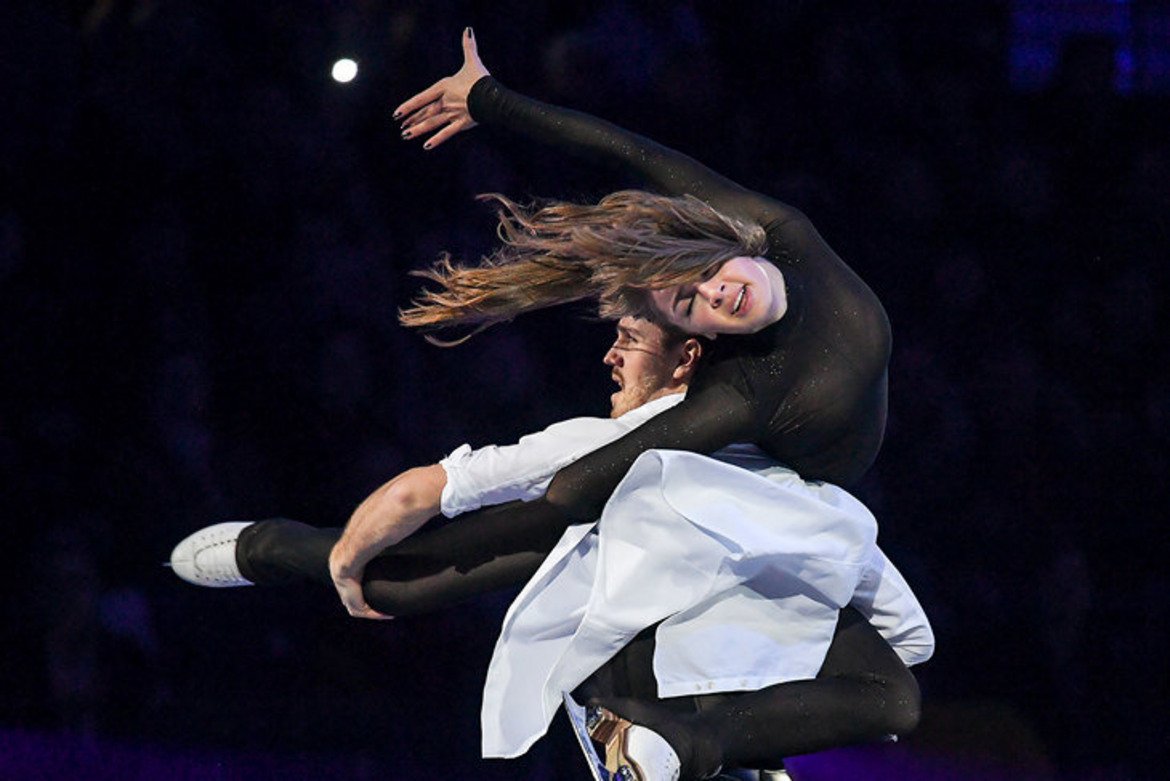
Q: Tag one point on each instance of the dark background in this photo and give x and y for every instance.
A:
(204, 239)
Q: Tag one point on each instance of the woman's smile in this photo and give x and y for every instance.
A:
(742, 296)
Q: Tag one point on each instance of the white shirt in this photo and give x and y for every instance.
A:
(746, 579)
(493, 475)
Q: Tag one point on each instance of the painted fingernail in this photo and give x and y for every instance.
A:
(406, 134)
(397, 115)
(427, 145)
(470, 33)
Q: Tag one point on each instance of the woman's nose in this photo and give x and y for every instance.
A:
(713, 291)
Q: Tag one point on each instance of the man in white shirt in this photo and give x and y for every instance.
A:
(777, 631)
(647, 363)
(652, 368)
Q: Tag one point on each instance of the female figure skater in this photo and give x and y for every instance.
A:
(799, 368)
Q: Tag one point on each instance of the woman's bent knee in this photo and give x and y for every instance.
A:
(904, 704)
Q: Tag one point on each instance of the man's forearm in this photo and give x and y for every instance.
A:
(390, 514)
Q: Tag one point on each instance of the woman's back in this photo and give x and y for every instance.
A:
(810, 389)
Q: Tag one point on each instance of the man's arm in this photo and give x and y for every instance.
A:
(470, 479)
(388, 515)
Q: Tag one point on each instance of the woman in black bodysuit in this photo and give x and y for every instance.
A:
(810, 389)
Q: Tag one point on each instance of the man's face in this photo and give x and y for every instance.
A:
(642, 365)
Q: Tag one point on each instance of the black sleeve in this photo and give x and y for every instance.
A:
(596, 140)
(718, 414)
(704, 422)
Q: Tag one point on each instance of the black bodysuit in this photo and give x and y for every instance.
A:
(809, 389)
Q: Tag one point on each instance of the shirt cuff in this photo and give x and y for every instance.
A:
(452, 501)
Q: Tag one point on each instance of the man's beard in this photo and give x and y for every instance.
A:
(634, 396)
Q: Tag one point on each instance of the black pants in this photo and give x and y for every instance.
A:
(863, 692)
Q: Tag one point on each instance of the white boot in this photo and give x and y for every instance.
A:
(208, 557)
(643, 751)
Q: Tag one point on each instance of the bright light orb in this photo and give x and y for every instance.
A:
(344, 71)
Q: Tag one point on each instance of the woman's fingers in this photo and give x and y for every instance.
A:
(470, 52)
(424, 113)
(429, 95)
(457, 126)
(435, 117)
(424, 126)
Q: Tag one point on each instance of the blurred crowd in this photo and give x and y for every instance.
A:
(204, 241)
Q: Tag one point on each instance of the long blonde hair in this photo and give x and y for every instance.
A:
(616, 251)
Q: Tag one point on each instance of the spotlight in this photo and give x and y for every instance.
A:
(344, 71)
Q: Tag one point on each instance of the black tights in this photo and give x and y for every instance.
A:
(863, 692)
(432, 569)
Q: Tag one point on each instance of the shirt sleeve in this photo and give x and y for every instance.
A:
(493, 475)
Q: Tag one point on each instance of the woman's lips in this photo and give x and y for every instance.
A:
(742, 301)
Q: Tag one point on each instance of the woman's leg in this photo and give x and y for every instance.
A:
(490, 549)
(863, 693)
(279, 551)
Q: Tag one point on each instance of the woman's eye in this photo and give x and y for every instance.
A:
(690, 306)
(710, 272)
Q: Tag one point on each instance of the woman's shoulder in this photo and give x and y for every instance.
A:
(749, 363)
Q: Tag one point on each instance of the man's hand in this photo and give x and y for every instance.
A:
(347, 579)
(443, 105)
(386, 517)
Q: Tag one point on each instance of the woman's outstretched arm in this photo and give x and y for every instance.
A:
(471, 96)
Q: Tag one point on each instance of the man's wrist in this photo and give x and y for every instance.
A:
(341, 561)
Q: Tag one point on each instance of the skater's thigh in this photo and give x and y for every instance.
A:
(858, 648)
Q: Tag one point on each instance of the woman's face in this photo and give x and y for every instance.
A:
(742, 296)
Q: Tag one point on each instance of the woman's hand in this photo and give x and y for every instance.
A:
(443, 105)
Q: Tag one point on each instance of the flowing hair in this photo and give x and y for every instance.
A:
(614, 251)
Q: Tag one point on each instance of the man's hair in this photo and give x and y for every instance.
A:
(614, 251)
(672, 335)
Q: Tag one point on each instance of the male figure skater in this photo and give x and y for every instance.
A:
(652, 369)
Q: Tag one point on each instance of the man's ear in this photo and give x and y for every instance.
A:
(688, 360)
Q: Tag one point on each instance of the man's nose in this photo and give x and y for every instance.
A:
(613, 357)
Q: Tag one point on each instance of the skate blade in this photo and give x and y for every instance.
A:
(577, 719)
